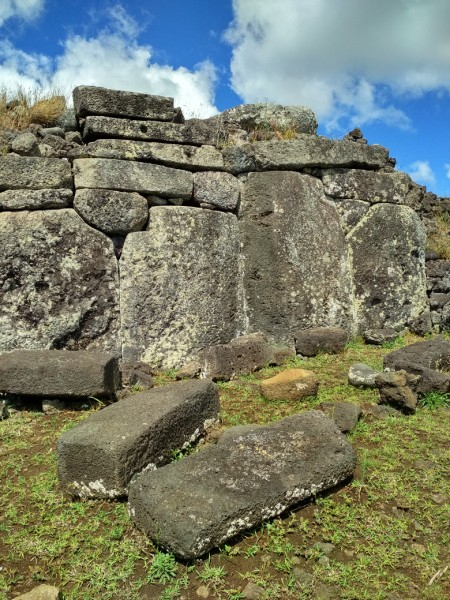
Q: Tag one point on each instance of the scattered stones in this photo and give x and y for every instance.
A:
(378, 337)
(99, 456)
(222, 190)
(253, 473)
(330, 340)
(361, 375)
(396, 389)
(42, 592)
(290, 384)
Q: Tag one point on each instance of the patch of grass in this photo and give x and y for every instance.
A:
(19, 107)
(439, 240)
(434, 400)
(163, 568)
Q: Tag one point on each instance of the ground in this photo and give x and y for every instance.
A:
(388, 527)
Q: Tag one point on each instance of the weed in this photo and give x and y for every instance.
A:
(438, 241)
(20, 107)
(434, 400)
(163, 568)
(211, 574)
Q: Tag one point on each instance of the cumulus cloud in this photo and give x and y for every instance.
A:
(349, 60)
(421, 172)
(447, 169)
(25, 9)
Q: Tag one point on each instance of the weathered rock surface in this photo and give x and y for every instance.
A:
(130, 176)
(195, 132)
(192, 158)
(180, 286)
(58, 283)
(388, 260)
(99, 456)
(41, 592)
(397, 390)
(295, 262)
(136, 374)
(290, 384)
(361, 375)
(330, 340)
(219, 189)
(306, 151)
(35, 199)
(346, 415)
(25, 144)
(351, 211)
(91, 100)
(114, 213)
(377, 337)
(252, 474)
(241, 355)
(32, 173)
(59, 373)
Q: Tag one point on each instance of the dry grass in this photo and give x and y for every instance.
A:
(19, 108)
(439, 241)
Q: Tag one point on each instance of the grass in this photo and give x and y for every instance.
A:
(388, 526)
(439, 240)
(19, 107)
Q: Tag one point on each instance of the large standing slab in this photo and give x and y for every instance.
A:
(179, 285)
(295, 260)
(100, 455)
(388, 261)
(33, 173)
(252, 474)
(58, 283)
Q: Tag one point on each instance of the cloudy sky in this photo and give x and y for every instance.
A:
(381, 65)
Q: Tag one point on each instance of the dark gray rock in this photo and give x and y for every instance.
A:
(114, 213)
(361, 375)
(35, 199)
(397, 390)
(346, 415)
(294, 256)
(252, 474)
(91, 100)
(242, 355)
(378, 337)
(25, 144)
(33, 173)
(59, 374)
(137, 374)
(383, 412)
(99, 456)
(330, 340)
(222, 190)
(421, 325)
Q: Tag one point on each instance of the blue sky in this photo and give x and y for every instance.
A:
(381, 65)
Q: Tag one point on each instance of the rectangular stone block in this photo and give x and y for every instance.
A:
(59, 373)
(34, 173)
(92, 100)
(99, 457)
(129, 176)
(35, 199)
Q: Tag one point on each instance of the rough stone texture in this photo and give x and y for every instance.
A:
(58, 283)
(192, 158)
(59, 373)
(290, 384)
(242, 355)
(91, 100)
(99, 456)
(377, 337)
(422, 324)
(35, 199)
(396, 390)
(310, 342)
(396, 188)
(346, 415)
(194, 132)
(351, 211)
(294, 256)
(41, 592)
(129, 176)
(219, 189)
(32, 173)
(306, 151)
(361, 375)
(136, 374)
(252, 474)
(180, 286)
(114, 213)
(388, 260)
(430, 359)
(25, 144)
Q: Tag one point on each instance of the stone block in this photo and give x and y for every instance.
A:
(290, 384)
(222, 190)
(361, 375)
(35, 199)
(397, 389)
(99, 457)
(330, 340)
(378, 337)
(252, 474)
(33, 173)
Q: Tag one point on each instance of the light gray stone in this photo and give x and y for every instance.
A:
(114, 213)
(252, 474)
(294, 256)
(99, 457)
(129, 176)
(195, 131)
(192, 158)
(58, 283)
(35, 199)
(377, 337)
(33, 173)
(351, 211)
(25, 144)
(219, 189)
(179, 285)
(388, 260)
(306, 151)
(58, 131)
(41, 592)
(92, 100)
(361, 375)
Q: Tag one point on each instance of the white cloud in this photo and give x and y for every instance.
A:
(447, 168)
(25, 9)
(421, 172)
(351, 59)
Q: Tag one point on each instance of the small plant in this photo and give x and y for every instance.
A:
(211, 574)
(439, 240)
(434, 400)
(163, 569)
(20, 107)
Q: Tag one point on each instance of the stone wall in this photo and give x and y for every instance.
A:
(134, 231)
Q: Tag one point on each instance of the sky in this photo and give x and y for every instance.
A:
(380, 65)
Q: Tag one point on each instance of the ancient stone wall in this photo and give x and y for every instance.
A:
(134, 231)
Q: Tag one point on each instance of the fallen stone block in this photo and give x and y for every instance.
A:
(345, 414)
(99, 457)
(59, 373)
(290, 384)
(310, 342)
(377, 337)
(397, 390)
(32, 173)
(252, 474)
(361, 375)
